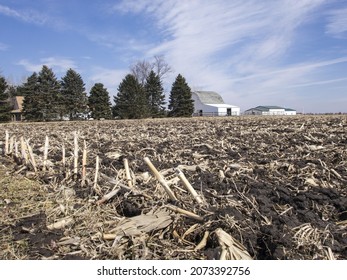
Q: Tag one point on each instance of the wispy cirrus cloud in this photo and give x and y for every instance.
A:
(285, 84)
(298, 68)
(212, 26)
(337, 25)
(30, 16)
(315, 83)
(250, 51)
(252, 37)
(59, 64)
(33, 16)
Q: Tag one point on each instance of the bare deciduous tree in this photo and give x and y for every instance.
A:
(141, 69)
(160, 66)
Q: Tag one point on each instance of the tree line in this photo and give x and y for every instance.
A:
(139, 95)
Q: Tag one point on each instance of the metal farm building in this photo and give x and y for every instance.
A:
(210, 103)
(270, 110)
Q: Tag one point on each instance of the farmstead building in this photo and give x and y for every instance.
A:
(210, 103)
(17, 105)
(270, 110)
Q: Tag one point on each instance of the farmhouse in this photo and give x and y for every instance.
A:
(270, 110)
(17, 112)
(210, 103)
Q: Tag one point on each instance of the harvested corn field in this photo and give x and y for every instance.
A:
(197, 188)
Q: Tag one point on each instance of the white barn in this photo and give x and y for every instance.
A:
(270, 110)
(210, 103)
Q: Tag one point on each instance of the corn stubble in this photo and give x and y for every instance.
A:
(195, 188)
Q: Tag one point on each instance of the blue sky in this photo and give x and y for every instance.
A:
(289, 53)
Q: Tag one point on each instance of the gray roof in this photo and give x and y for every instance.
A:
(209, 97)
(267, 108)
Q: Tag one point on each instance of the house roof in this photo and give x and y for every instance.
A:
(209, 97)
(17, 102)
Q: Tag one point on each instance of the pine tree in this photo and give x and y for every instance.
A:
(73, 94)
(181, 103)
(13, 90)
(30, 91)
(5, 106)
(50, 100)
(155, 95)
(99, 102)
(131, 101)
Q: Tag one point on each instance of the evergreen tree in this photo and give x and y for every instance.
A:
(155, 95)
(49, 96)
(30, 91)
(181, 103)
(5, 106)
(73, 94)
(13, 91)
(131, 101)
(99, 102)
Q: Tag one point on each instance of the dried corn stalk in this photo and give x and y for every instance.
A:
(161, 179)
(231, 248)
(138, 225)
(61, 223)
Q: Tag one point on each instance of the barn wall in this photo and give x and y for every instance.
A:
(253, 112)
(209, 110)
(235, 111)
(223, 111)
(200, 106)
(275, 112)
(271, 112)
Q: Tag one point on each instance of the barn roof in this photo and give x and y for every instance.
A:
(209, 97)
(223, 105)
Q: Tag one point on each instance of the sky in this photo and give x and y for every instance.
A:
(290, 53)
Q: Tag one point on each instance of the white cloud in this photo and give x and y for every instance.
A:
(283, 85)
(299, 68)
(316, 83)
(241, 48)
(27, 15)
(221, 45)
(34, 17)
(29, 66)
(129, 6)
(58, 64)
(337, 22)
(110, 78)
